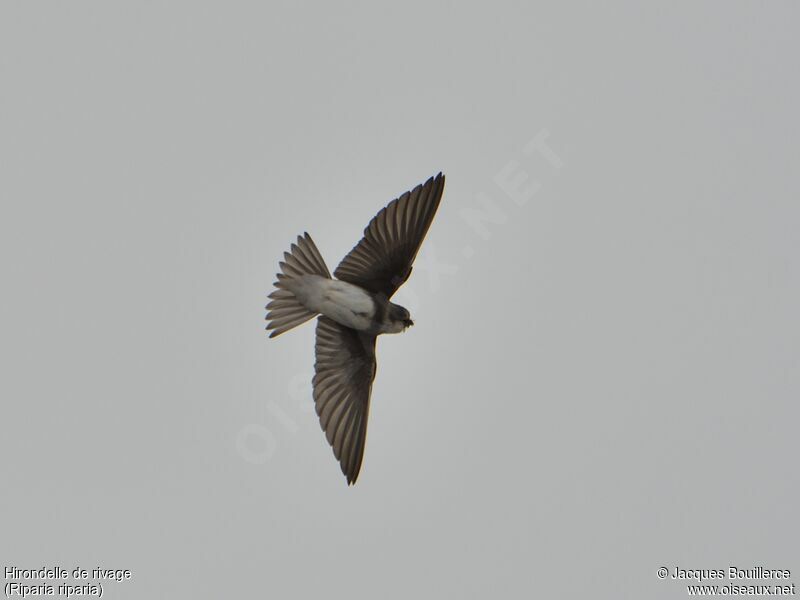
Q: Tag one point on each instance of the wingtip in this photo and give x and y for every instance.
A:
(439, 177)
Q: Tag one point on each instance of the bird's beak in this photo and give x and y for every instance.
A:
(408, 322)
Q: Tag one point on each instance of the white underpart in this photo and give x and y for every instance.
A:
(343, 302)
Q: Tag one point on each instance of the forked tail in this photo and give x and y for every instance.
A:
(285, 311)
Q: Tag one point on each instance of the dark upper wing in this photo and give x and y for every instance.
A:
(381, 261)
(345, 369)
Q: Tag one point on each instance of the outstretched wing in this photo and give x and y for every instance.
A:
(381, 261)
(345, 369)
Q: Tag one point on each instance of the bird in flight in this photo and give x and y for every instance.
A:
(353, 309)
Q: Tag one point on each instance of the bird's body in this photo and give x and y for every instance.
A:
(353, 310)
(346, 303)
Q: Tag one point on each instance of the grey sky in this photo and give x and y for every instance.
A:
(603, 375)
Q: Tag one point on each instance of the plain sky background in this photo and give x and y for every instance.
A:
(600, 382)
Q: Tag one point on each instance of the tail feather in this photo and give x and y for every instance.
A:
(307, 257)
(285, 310)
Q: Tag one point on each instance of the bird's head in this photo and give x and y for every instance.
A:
(399, 317)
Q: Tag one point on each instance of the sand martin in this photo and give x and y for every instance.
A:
(353, 309)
